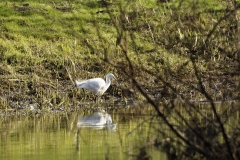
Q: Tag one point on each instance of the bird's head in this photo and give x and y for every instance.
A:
(110, 75)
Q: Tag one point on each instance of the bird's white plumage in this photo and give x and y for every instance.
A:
(96, 85)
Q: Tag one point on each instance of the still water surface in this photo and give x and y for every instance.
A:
(59, 136)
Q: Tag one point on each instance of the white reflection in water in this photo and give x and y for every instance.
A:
(97, 120)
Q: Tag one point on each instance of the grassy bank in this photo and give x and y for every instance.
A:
(156, 43)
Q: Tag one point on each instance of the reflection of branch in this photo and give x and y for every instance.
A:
(209, 98)
(160, 114)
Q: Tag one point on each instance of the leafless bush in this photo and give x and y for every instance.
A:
(205, 43)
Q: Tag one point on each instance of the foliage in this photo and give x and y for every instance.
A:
(183, 53)
(178, 51)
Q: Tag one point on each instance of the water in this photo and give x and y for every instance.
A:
(121, 132)
(58, 136)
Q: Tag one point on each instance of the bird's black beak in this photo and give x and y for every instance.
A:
(116, 80)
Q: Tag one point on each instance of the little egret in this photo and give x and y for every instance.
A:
(96, 85)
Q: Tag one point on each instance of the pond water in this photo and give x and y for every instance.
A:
(61, 136)
(119, 132)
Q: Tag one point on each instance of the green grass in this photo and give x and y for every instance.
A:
(39, 41)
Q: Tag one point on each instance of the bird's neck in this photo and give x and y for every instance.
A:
(108, 82)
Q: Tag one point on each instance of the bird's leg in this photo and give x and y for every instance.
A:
(96, 99)
(84, 95)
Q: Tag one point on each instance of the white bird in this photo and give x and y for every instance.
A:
(96, 85)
